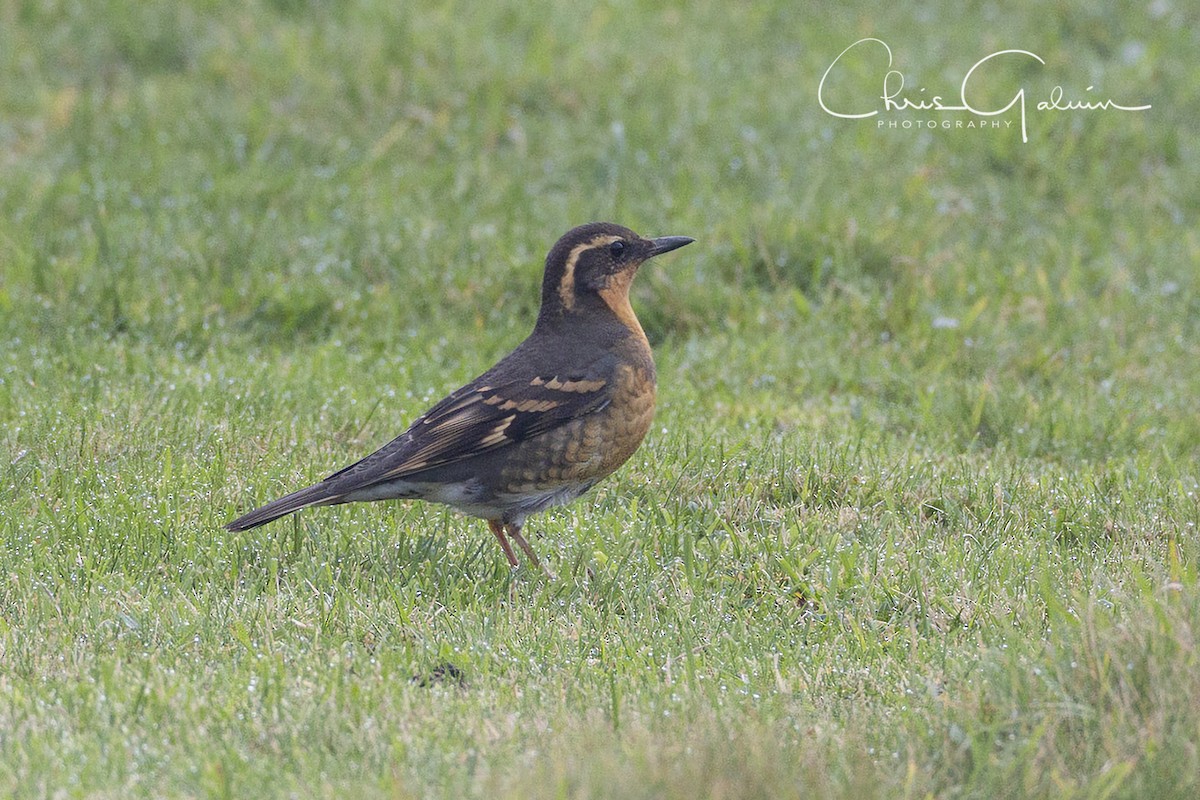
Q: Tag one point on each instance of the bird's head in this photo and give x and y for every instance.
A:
(591, 268)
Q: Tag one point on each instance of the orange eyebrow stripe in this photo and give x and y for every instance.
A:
(566, 286)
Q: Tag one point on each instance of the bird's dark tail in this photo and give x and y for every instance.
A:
(316, 495)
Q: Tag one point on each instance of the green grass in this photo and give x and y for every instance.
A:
(918, 513)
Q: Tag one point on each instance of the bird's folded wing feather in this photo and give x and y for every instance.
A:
(477, 419)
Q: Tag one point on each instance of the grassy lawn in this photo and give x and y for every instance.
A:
(918, 513)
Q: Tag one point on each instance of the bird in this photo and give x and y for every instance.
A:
(559, 413)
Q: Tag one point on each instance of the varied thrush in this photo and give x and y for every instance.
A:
(545, 424)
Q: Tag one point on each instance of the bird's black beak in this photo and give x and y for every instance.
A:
(665, 244)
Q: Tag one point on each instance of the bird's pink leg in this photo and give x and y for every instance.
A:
(498, 530)
(514, 532)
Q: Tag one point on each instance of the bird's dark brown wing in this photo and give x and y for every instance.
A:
(480, 418)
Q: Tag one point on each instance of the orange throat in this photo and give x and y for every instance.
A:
(616, 296)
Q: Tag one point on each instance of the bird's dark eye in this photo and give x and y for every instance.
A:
(617, 249)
